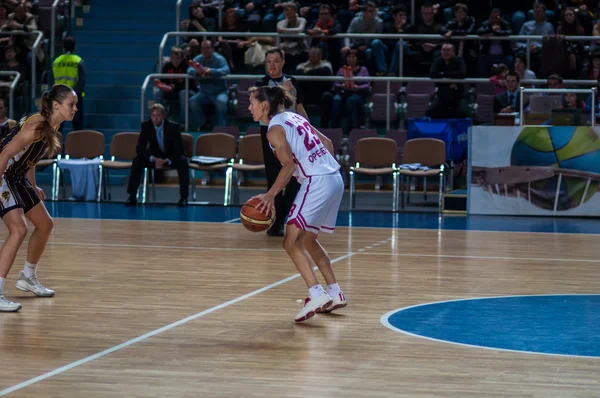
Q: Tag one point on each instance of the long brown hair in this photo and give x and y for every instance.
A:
(277, 97)
(58, 93)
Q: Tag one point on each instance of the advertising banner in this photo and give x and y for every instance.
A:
(534, 170)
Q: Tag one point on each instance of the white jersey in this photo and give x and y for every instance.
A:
(310, 155)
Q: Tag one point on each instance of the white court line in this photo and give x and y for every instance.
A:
(570, 260)
(155, 332)
(231, 221)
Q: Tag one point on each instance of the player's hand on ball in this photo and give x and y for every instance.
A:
(267, 203)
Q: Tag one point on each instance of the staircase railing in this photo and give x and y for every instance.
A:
(36, 44)
(11, 90)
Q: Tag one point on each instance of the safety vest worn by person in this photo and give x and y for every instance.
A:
(65, 70)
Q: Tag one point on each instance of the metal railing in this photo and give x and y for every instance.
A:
(11, 90)
(387, 80)
(592, 91)
(53, 29)
(34, 49)
(402, 37)
(165, 76)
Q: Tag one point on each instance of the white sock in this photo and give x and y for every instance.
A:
(316, 291)
(334, 289)
(2, 280)
(29, 269)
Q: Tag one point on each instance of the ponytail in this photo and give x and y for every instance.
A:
(58, 93)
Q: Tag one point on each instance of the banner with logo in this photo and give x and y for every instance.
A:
(534, 170)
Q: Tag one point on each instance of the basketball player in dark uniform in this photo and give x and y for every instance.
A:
(20, 198)
(275, 60)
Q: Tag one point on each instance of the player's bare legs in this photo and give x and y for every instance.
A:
(318, 299)
(321, 258)
(43, 223)
(17, 231)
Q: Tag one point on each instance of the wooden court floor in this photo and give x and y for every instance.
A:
(120, 326)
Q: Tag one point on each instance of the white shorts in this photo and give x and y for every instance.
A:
(317, 203)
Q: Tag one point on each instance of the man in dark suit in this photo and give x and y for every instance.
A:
(160, 145)
(509, 101)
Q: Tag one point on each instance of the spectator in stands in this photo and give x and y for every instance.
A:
(381, 48)
(555, 81)
(23, 20)
(513, 11)
(461, 25)
(572, 101)
(172, 91)
(322, 30)
(211, 91)
(193, 49)
(498, 78)
(551, 10)
(596, 33)
(273, 15)
(569, 26)
(494, 51)
(509, 101)
(160, 145)
(294, 49)
(538, 27)
(592, 70)
(350, 95)
(425, 51)
(4, 40)
(11, 63)
(231, 47)
(369, 23)
(584, 11)
(315, 66)
(197, 22)
(450, 100)
(252, 13)
(69, 69)
(521, 67)
(6, 124)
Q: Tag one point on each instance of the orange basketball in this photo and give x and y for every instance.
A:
(253, 219)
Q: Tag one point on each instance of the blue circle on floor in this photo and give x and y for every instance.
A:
(548, 324)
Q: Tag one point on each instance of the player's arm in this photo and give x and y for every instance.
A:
(326, 141)
(23, 138)
(276, 136)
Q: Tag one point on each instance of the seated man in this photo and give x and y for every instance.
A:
(509, 101)
(160, 145)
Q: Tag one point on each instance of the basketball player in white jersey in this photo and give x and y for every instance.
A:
(306, 154)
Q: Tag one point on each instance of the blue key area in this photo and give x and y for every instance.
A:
(552, 324)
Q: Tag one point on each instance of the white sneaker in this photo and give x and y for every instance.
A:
(33, 285)
(312, 306)
(339, 301)
(8, 306)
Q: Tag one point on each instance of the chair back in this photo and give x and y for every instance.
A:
(84, 144)
(250, 150)
(429, 152)
(376, 151)
(188, 144)
(216, 144)
(123, 145)
(232, 130)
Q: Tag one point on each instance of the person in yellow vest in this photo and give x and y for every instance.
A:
(69, 69)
